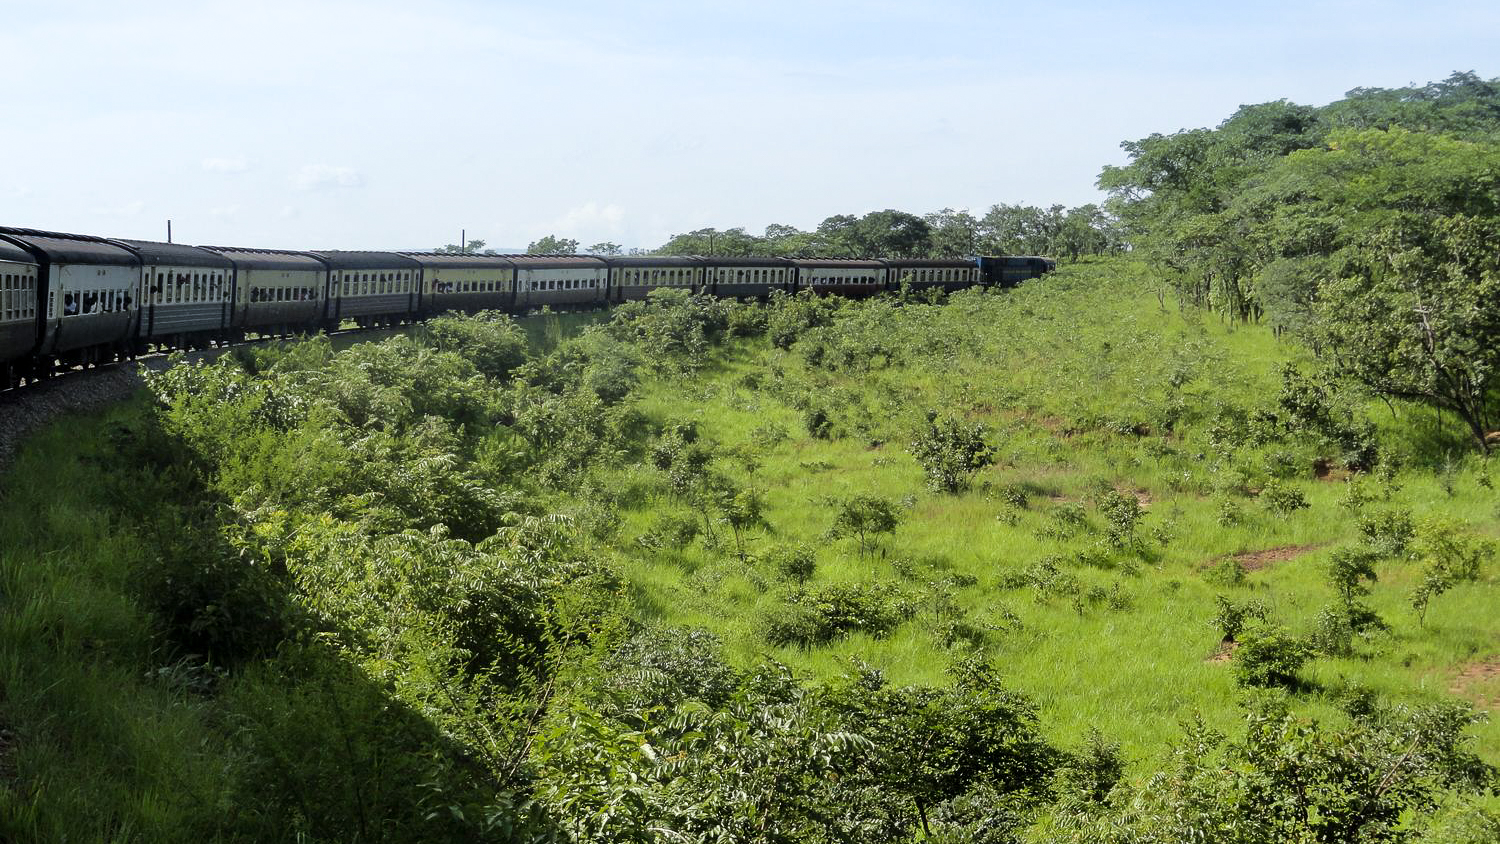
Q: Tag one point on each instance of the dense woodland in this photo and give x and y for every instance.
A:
(1146, 551)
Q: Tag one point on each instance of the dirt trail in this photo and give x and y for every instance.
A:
(1264, 558)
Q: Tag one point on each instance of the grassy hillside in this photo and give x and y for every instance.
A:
(452, 586)
(1086, 382)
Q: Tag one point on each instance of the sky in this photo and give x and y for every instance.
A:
(314, 124)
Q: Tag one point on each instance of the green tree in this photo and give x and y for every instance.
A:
(473, 247)
(935, 744)
(864, 517)
(950, 452)
(553, 245)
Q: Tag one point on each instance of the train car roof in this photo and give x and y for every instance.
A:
(545, 262)
(15, 254)
(745, 261)
(458, 260)
(173, 254)
(340, 259)
(838, 263)
(929, 262)
(268, 259)
(652, 260)
(62, 248)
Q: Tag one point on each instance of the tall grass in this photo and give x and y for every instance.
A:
(1073, 376)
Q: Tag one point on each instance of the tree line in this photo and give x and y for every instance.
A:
(1055, 231)
(1366, 227)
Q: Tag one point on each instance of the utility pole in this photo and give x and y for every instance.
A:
(169, 231)
(463, 241)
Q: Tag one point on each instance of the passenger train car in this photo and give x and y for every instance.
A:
(69, 300)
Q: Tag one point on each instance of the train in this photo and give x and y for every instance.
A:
(70, 300)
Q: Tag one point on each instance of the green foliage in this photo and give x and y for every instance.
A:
(1232, 618)
(677, 326)
(1293, 779)
(491, 340)
(1092, 771)
(793, 562)
(822, 615)
(865, 518)
(1281, 499)
(1122, 514)
(1359, 225)
(950, 452)
(1269, 656)
(789, 317)
(936, 744)
(1389, 532)
(1449, 556)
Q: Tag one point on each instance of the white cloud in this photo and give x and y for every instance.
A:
(224, 211)
(225, 165)
(326, 177)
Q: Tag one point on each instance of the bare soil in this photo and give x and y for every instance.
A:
(1256, 560)
(1475, 682)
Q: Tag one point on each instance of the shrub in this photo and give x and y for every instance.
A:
(793, 562)
(1449, 555)
(1231, 618)
(1281, 499)
(1388, 532)
(490, 340)
(746, 319)
(1227, 572)
(1122, 513)
(1269, 656)
(836, 610)
(665, 666)
(864, 517)
(819, 425)
(950, 452)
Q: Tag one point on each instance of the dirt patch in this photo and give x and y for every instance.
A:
(1256, 560)
(1324, 470)
(1141, 496)
(1471, 680)
(1224, 652)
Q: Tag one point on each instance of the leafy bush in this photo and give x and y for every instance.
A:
(1281, 499)
(836, 610)
(865, 518)
(491, 340)
(747, 319)
(1231, 618)
(666, 666)
(1269, 656)
(1122, 513)
(1227, 572)
(1450, 555)
(950, 452)
(1388, 532)
(793, 562)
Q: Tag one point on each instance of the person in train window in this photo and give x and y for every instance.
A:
(93, 304)
(125, 302)
(70, 305)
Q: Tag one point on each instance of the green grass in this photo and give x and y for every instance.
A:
(1074, 378)
(100, 750)
(1089, 345)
